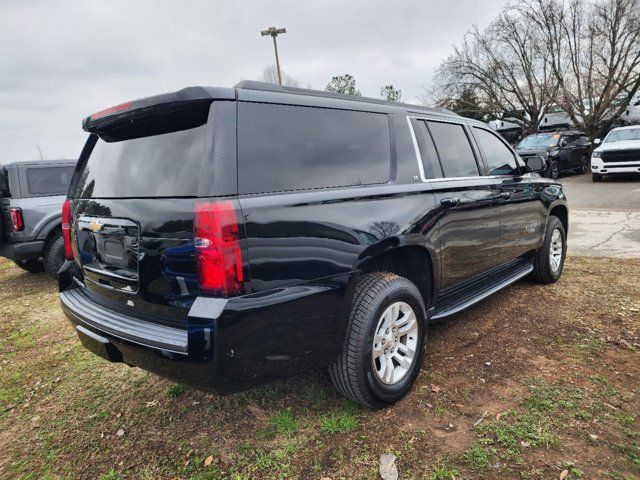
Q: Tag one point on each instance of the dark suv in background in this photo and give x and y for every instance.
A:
(562, 151)
(224, 237)
(31, 197)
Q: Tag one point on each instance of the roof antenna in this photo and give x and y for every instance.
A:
(40, 150)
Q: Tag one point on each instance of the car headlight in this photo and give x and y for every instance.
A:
(553, 153)
(596, 154)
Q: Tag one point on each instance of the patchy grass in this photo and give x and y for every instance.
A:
(560, 393)
(339, 421)
(478, 457)
(283, 422)
(443, 470)
(176, 390)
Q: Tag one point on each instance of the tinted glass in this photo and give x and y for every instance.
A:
(497, 156)
(4, 183)
(430, 163)
(49, 180)
(292, 148)
(160, 166)
(456, 156)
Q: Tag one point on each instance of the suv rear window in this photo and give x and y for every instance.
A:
(165, 165)
(49, 180)
(282, 147)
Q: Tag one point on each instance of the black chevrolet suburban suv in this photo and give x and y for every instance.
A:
(224, 237)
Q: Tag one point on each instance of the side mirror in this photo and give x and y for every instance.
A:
(563, 143)
(597, 141)
(535, 164)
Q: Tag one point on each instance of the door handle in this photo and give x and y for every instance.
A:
(506, 194)
(450, 202)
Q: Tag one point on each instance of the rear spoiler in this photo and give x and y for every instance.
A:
(129, 111)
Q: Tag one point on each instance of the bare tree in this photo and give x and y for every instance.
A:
(593, 48)
(504, 66)
(270, 75)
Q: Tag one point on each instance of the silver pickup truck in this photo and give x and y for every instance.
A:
(31, 197)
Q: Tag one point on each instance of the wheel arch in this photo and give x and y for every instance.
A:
(414, 262)
(50, 228)
(562, 212)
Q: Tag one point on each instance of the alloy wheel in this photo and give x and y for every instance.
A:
(394, 343)
(555, 250)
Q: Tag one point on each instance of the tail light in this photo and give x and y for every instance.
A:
(218, 250)
(17, 220)
(66, 229)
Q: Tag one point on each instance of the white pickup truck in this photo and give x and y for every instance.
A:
(618, 153)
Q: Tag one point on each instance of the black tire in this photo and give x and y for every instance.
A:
(353, 373)
(584, 165)
(53, 255)
(596, 177)
(31, 266)
(543, 271)
(553, 170)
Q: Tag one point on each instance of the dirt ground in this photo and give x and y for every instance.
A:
(539, 382)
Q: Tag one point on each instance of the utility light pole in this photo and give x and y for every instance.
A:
(273, 32)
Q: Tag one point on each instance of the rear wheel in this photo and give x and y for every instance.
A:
(53, 255)
(596, 177)
(549, 259)
(31, 266)
(384, 342)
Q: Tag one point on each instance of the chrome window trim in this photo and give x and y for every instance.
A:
(416, 148)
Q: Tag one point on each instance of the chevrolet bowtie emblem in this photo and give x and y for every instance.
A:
(95, 227)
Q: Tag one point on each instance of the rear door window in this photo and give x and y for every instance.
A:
(166, 165)
(283, 147)
(455, 152)
(430, 163)
(498, 158)
(49, 180)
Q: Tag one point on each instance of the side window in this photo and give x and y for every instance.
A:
(4, 183)
(282, 147)
(454, 150)
(497, 156)
(430, 163)
(49, 180)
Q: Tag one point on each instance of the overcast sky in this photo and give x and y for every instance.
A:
(63, 60)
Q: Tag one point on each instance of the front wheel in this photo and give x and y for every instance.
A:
(384, 342)
(553, 170)
(549, 259)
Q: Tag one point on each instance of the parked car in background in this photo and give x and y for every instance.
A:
(510, 131)
(562, 151)
(300, 229)
(32, 194)
(632, 114)
(618, 153)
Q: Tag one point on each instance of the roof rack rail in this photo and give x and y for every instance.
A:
(271, 87)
